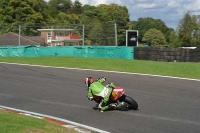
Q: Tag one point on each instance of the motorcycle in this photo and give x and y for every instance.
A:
(122, 101)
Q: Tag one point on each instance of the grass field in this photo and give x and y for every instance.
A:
(15, 123)
(178, 69)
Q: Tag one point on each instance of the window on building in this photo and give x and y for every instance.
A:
(49, 38)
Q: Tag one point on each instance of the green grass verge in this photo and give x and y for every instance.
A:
(178, 69)
(15, 123)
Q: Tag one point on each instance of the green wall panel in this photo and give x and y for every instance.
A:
(77, 51)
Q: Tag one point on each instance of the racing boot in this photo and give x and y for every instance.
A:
(103, 106)
(96, 107)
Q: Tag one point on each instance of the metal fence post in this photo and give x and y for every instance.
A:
(83, 34)
(51, 34)
(19, 34)
(116, 34)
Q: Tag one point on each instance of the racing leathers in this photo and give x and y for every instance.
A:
(97, 88)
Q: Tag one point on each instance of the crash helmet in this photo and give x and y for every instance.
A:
(88, 81)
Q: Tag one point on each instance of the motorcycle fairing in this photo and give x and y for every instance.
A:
(117, 93)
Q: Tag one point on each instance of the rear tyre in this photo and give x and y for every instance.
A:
(133, 104)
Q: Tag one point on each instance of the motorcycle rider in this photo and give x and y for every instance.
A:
(97, 88)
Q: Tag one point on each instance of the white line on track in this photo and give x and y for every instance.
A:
(104, 71)
(165, 118)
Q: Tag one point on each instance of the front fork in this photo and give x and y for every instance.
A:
(122, 103)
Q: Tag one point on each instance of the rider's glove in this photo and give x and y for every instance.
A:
(90, 98)
(110, 85)
(102, 78)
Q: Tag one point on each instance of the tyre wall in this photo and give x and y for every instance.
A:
(167, 54)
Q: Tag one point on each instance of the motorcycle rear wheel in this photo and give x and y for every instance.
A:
(133, 104)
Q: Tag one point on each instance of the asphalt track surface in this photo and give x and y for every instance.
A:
(166, 105)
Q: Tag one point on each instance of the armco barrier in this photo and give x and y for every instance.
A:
(76, 51)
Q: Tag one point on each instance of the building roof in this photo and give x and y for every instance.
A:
(38, 39)
(47, 30)
(12, 39)
(67, 40)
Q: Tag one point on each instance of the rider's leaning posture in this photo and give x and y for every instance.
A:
(97, 88)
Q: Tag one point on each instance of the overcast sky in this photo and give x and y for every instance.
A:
(169, 11)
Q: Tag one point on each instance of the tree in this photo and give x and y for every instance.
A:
(76, 7)
(90, 11)
(61, 5)
(96, 34)
(174, 40)
(15, 12)
(144, 24)
(62, 18)
(93, 30)
(154, 37)
(94, 27)
(118, 14)
(186, 26)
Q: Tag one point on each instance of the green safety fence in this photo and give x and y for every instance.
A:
(76, 51)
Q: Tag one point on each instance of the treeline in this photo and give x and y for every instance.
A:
(40, 14)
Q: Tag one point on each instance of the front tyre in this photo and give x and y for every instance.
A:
(133, 104)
